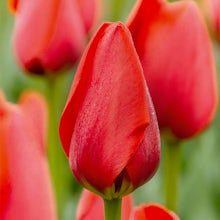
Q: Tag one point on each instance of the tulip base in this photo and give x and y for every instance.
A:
(172, 171)
(112, 209)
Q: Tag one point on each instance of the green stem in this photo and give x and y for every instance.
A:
(53, 146)
(172, 174)
(57, 160)
(112, 209)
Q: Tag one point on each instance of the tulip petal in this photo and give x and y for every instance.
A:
(90, 11)
(36, 109)
(212, 9)
(12, 5)
(175, 51)
(152, 212)
(148, 153)
(107, 111)
(5, 185)
(4, 177)
(30, 188)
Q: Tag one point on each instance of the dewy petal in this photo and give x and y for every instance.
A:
(175, 52)
(152, 212)
(30, 188)
(107, 111)
(54, 34)
(91, 206)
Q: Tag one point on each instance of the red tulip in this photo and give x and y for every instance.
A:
(25, 188)
(91, 207)
(50, 35)
(152, 212)
(175, 51)
(108, 128)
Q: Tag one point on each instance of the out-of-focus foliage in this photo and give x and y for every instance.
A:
(200, 178)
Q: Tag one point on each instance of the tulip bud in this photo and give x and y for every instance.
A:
(175, 51)
(50, 35)
(108, 127)
(25, 186)
(91, 206)
(152, 212)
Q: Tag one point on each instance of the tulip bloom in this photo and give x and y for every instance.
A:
(175, 51)
(25, 188)
(91, 206)
(50, 35)
(108, 127)
(152, 212)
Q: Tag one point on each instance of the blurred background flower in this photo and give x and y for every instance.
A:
(25, 184)
(49, 36)
(176, 54)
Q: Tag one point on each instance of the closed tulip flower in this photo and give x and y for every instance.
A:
(91, 207)
(152, 212)
(25, 187)
(176, 54)
(108, 127)
(50, 35)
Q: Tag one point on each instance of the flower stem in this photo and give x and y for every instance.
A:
(53, 149)
(172, 174)
(112, 209)
(57, 160)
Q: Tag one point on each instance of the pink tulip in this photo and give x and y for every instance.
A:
(50, 35)
(175, 51)
(25, 187)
